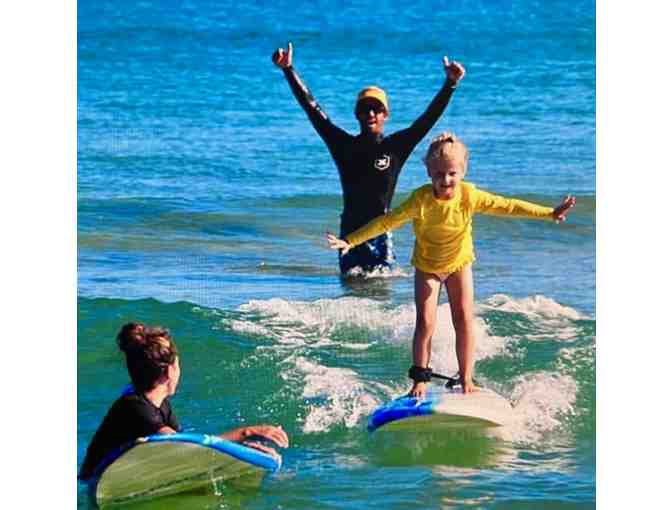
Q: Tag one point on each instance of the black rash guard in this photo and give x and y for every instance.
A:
(130, 417)
(368, 165)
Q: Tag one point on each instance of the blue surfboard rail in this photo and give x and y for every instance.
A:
(400, 408)
(236, 450)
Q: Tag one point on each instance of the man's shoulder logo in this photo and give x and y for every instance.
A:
(382, 163)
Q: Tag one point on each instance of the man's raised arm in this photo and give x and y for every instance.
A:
(322, 124)
(417, 131)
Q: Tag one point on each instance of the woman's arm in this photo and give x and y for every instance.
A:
(247, 436)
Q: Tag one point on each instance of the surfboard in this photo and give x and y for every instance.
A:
(164, 464)
(443, 407)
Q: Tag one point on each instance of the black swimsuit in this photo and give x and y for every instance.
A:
(130, 417)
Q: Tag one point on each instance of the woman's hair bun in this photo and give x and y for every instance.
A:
(131, 337)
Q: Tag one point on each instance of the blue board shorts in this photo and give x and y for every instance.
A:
(375, 254)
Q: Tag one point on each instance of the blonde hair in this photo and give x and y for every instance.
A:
(447, 146)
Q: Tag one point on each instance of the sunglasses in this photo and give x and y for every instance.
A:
(364, 108)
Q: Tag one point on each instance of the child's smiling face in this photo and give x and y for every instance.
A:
(446, 174)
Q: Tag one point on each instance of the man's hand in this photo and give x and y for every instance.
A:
(283, 58)
(454, 71)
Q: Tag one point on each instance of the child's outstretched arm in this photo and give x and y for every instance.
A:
(489, 203)
(377, 226)
(374, 228)
(338, 244)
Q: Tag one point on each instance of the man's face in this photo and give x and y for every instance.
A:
(371, 115)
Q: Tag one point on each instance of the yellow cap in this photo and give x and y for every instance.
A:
(373, 93)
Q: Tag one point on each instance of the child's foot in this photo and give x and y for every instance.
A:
(468, 386)
(419, 390)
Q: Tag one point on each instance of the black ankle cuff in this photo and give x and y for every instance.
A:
(420, 374)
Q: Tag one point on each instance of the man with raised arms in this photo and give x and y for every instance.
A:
(369, 163)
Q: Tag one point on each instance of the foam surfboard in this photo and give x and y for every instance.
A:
(443, 407)
(164, 464)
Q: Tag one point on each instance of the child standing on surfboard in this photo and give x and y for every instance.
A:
(154, 367)
(442, 214)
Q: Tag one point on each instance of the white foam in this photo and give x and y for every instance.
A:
(553, 320)
(379, 272)
(309, 321)
(345, 394)
(355, 347)
(295, 323)
(338, 395)
(572, 358)
(540, 402)
(538, 306)
(251, 328)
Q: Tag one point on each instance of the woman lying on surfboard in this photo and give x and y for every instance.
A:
(154, 367)
(442, 215)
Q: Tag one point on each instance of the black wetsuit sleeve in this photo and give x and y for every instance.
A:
(329, 132)
(410, 137)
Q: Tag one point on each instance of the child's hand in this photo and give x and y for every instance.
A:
(338, 244)
(282, 58)
(454, 70)
(560, 212)
(419, 390)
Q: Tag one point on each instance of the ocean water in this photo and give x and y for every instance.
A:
(204, 195)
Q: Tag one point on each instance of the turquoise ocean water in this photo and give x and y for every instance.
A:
(203, 196)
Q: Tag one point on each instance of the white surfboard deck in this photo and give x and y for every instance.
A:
(443, 407)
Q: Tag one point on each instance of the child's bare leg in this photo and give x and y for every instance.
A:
(460, 287)
(427, 288)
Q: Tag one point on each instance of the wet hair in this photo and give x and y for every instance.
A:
(149, 352)
(446, 146)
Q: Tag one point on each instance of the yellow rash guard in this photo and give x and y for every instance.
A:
(443, 240)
